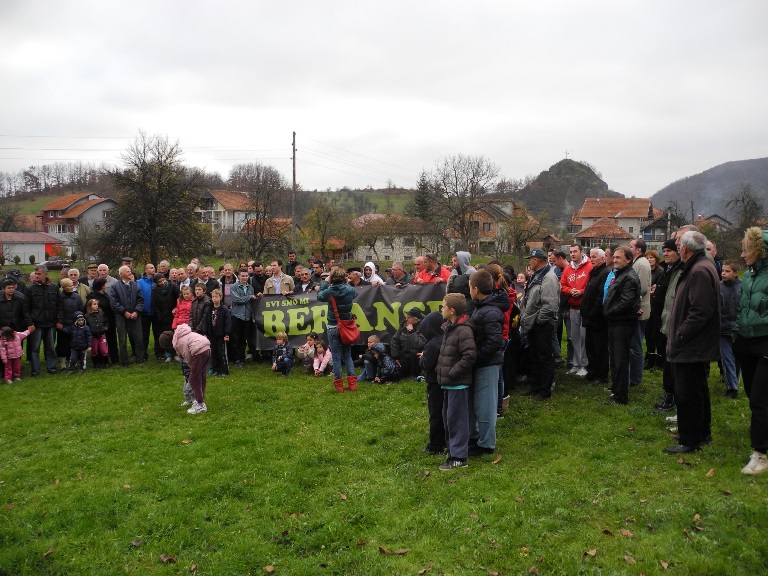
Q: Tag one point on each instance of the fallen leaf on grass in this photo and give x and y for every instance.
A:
(343, 496)
(631, 428)
(10, 506)
(137, 542)
(726, 492)
(710, 473)
(424, 571)
(532, 570)
(186, 441)
(595, 501)
(80, 474)
(629, 560)
(401, 551)
(643, 501)
(383, 550)
(269, 569)
(167, 559)
(50, 551)
(451, 481)
(127, 486)
(473, 516)
(592, 552)
(468, 530)
(193, 567)
(698, 528)
(524, 548)
(247, 507)
(497, 459)
(607, 532)
(627, 533)
(696, 518)
(426, 472)
(56, 481)
(361, 542)
(664, 565)
(492, 573)
(518, 499)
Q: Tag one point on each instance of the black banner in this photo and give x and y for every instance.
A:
(379, 309)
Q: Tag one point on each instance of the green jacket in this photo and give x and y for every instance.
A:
(752, 321)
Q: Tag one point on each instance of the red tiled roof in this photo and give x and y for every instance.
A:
(604, 228)
(27, 238)
(64, 202)
(615, 208)
(229, 200)
(576, 218)
(80, 208)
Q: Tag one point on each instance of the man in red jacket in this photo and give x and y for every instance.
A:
(572, 284)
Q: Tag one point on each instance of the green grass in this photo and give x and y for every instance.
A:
(34, 205)
(285, 472)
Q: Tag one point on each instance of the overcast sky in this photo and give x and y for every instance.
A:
(646, 91)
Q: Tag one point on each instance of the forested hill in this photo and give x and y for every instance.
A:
(561, 190)
(710, 190)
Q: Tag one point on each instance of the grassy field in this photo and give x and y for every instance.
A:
(104, 473)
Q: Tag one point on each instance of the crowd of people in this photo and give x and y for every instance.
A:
(623, 310)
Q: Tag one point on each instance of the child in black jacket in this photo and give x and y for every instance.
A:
(80, 338)
(217, 326)
(431, 329)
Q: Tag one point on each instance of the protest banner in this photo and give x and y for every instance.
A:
(379, 310)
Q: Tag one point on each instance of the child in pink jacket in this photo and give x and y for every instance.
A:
(195, 349)
(323, 358)
(11, 351)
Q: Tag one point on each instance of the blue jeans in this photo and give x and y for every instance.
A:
(729, 362)
(340, 353)
(501, 381)
(636, 361)
(46, 335)
(482, 413)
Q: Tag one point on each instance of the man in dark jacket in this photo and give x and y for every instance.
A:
(431, 329)
(164, 297)
(488, 320)
(407, 342)
(12, 306)
(693, 341)
(399, 277)
(127, 303)
(42, 306)
(592, 318)
(621, 309)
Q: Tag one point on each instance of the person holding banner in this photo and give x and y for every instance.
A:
(336, 287)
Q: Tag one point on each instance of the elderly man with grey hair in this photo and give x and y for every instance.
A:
(693, 341)
(128, 303)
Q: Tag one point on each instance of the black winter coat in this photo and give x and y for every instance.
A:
(163, 302)
(623, 299)
(71, 304)
(79, 336)
(488, 320)
(431, 328)
(218, 321)
(592, 300)
(12, 313)
(42, 304)
(660, 292)
(458, 353)
(97, 322)
(105, 304)
(199, 311)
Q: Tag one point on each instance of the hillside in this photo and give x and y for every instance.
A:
(562, 189)
(711, 189)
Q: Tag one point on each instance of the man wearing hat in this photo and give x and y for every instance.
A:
(15, 275)
(91, 272)
(537, 323)
(407, 342)
(126, 261)
(662, 297)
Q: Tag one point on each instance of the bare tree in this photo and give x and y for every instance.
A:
(518, 230)
(321, 223)
(459, 182)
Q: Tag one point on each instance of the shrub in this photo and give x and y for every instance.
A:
(17, 259)
(32, 259)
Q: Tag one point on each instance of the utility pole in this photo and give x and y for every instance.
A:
(293, 198)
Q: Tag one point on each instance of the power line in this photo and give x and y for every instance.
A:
(350, 163)
(343, 171)
(356, 154)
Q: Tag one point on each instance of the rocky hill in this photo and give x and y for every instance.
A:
(562, 189)
(710, 190)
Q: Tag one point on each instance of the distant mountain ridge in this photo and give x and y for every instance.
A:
(561, 191)
(710, 190)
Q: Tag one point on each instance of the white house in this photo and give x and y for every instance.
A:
(225, 210)
(61, 218)
(26, 244)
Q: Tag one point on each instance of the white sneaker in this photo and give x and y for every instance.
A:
(249, 356)
(582, 373)
(196, 408)
(203, 407)
(573, 370)
(671, 418)
(168, 359)
(185, 403)
(758, 463)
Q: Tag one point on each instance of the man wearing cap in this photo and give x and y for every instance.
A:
(537, 323)
(407, 342)
(126, 261)
(91, 273)
(15, 275)
(78, 287)
(662, 296)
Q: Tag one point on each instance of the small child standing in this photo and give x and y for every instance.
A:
(218, 326)
(80, 339)
(323, 359)
(454, 374)
(195, 349)
(431, 328)
(97, 322)
(282, 355)
(730, 294)
(11, 351)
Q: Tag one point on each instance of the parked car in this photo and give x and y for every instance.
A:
(56, 263)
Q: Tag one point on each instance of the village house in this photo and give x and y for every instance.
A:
(392, 237)
(629, 214)
(62, 217)
(26, 244)
(225, 210)
(604, 232)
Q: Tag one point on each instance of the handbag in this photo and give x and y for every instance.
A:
(349, 332)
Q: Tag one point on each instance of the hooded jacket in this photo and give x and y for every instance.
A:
(80, 337)
(458, 353)
(10, 349)
(488, 320)
(387, 369)
(752, 321)
(431, 330)
(188, 343)
(575, 276)
(374, 278)
(458, 281)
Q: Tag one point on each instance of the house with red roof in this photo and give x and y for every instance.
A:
(226, 210)
(604, 232)
(62, 217)
(26, 244)
(629, 214)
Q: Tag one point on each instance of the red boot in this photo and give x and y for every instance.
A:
(352, 383)
(339, 385)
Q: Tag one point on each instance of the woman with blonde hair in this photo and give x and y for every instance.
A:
(750, 345)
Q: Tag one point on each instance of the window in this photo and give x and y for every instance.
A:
(407, 258)
(631, 229)
(58, 213)
(51, 214)
(368, 258)
(387, 257)
(487, 226)
(409, 241)
(106, 214)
